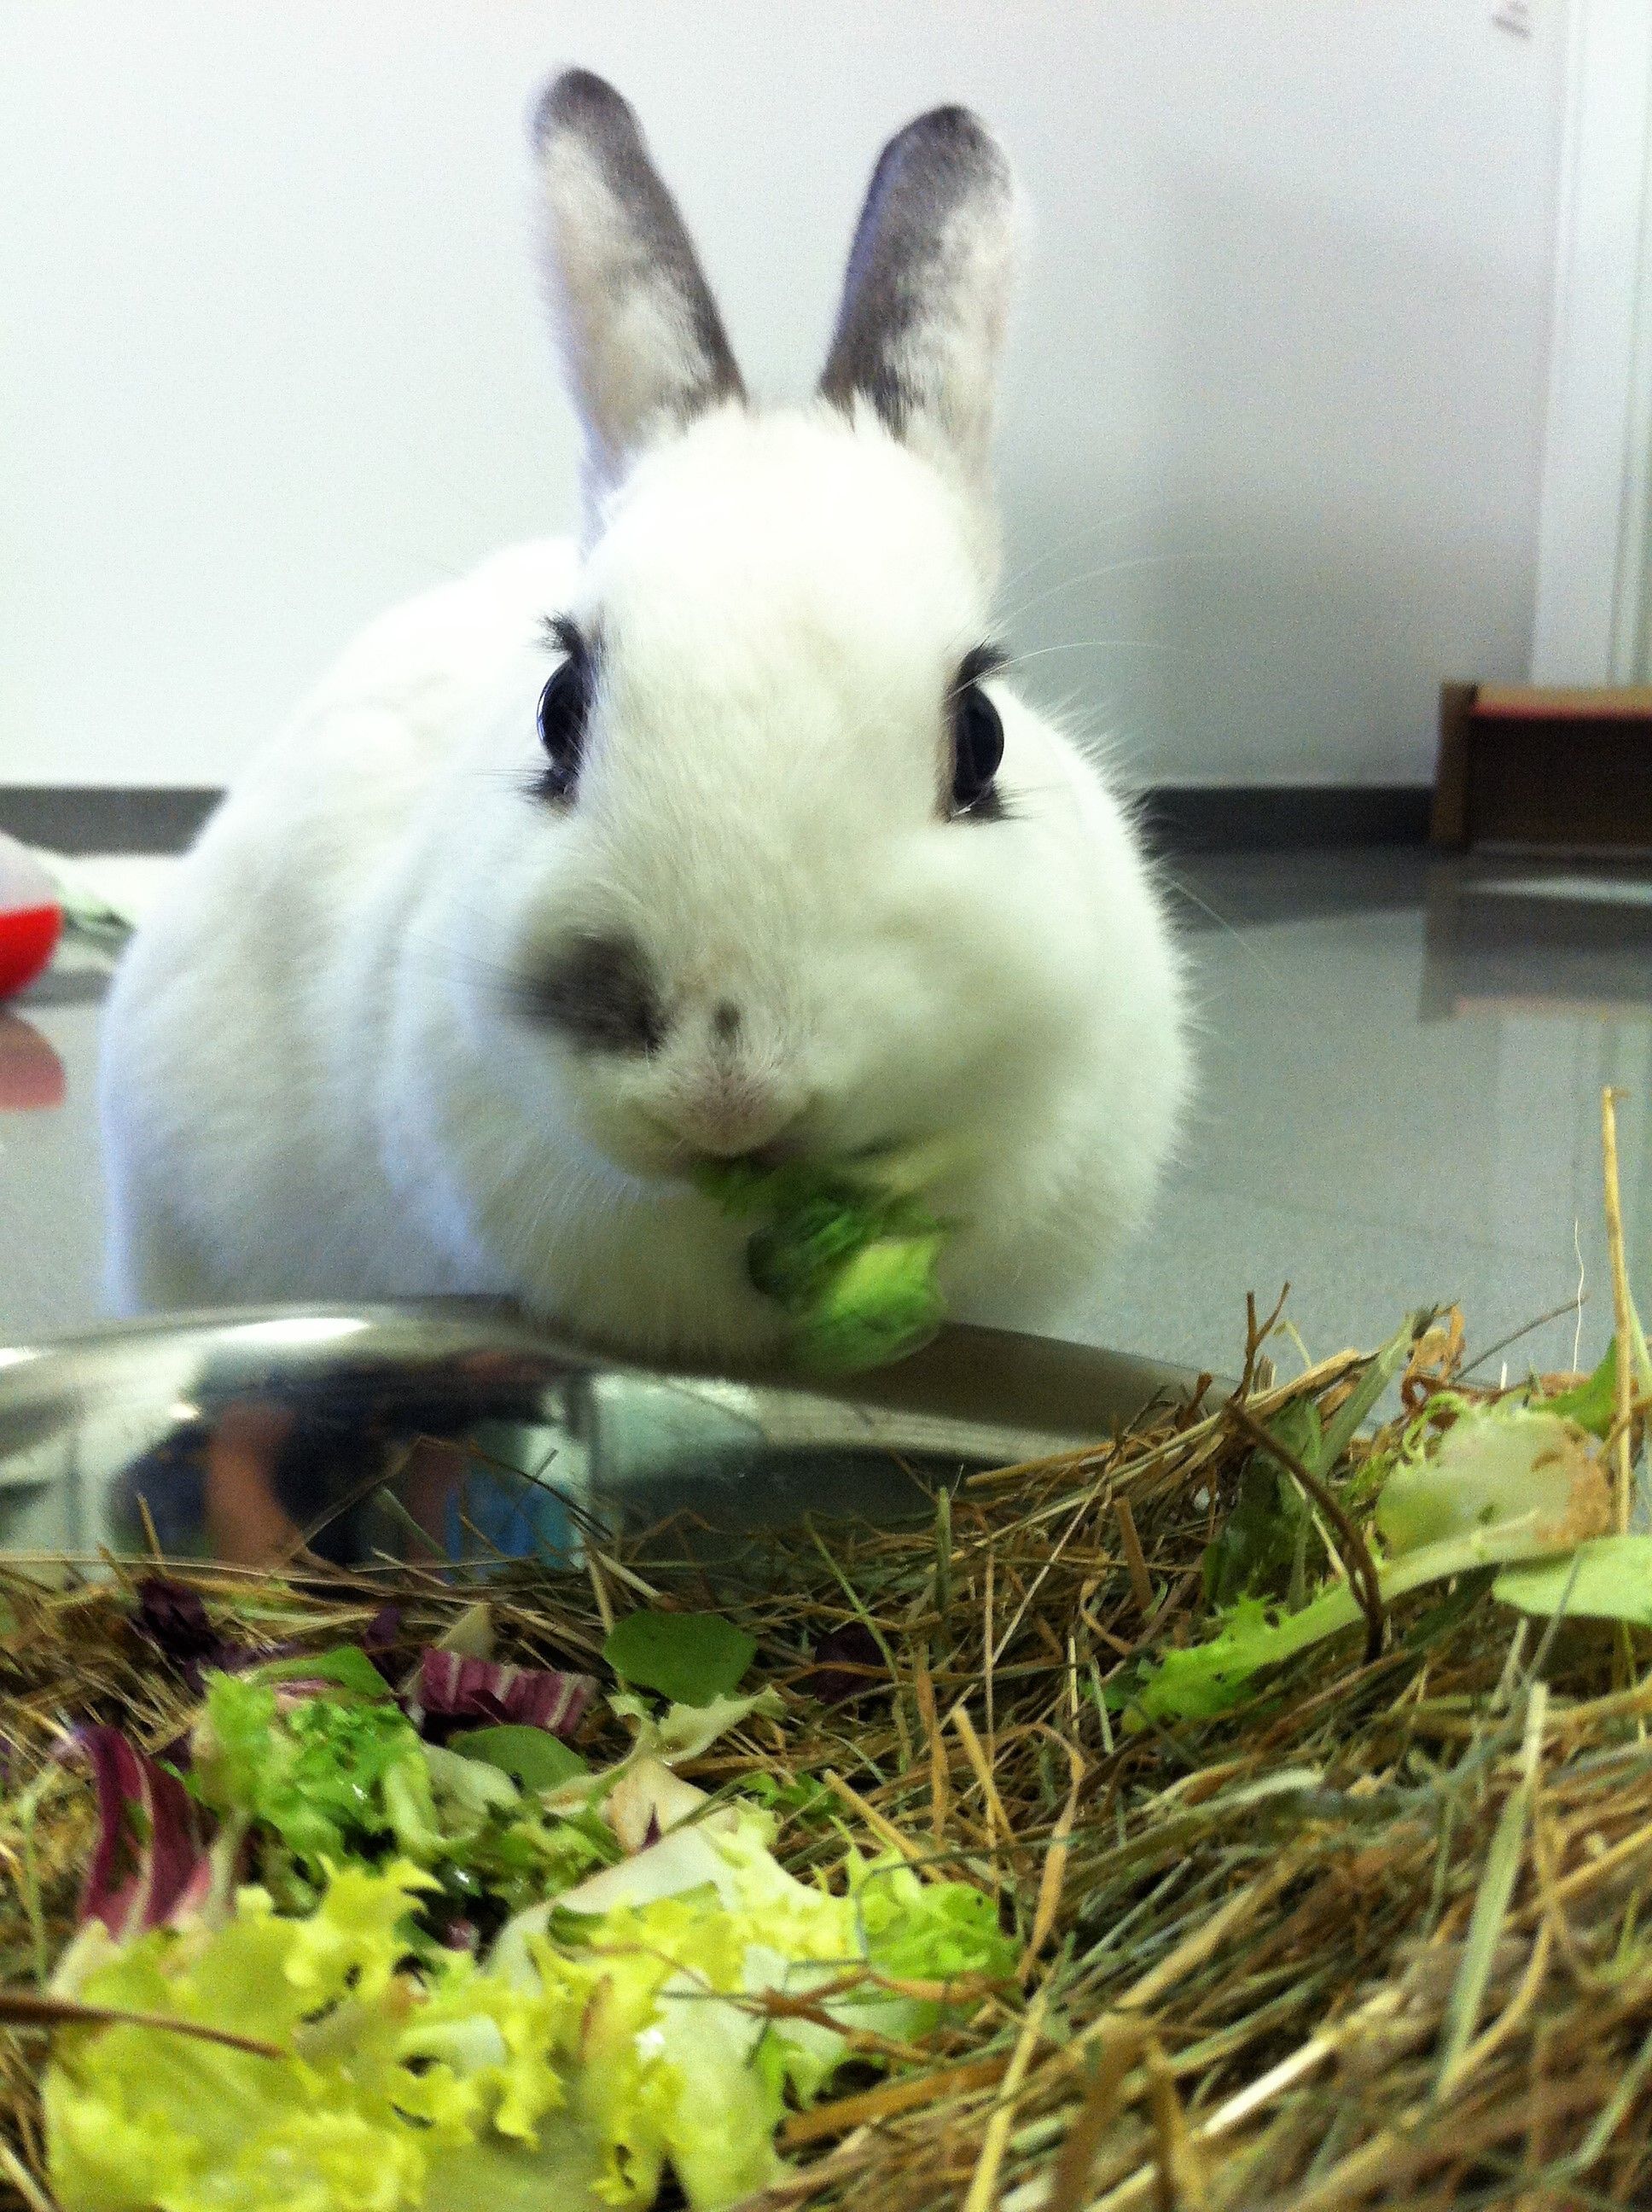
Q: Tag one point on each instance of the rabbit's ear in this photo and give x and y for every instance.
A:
(642, 344)
(927, 294)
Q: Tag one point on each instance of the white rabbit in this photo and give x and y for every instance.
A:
(690, 840)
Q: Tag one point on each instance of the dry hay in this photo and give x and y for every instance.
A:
(1376, 1937)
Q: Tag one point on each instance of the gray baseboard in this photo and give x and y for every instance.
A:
(1281, 817)
(102, 818)
(1182, 818)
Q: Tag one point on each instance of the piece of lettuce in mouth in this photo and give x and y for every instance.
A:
(851, 1253)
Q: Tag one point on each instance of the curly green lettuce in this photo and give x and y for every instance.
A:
(385, 2079)
(326, 1774)
(683, 2064)
(1505, 1484)
(638, 2025)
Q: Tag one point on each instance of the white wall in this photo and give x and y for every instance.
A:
(1591, 623)
(270, 352)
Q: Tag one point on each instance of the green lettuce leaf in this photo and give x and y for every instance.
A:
(327, 1775)
(923, 1931)
(685, 1731)
(849, 1250)
(346, 1664)
(1204, 1680)
(1497, 1466)
(671, 2066)
(664, 1961)
(1609, 1579)
(380, 2074)
(611, 2036)
(692, 1658)
(1200, 1680)
(1504, 1483)
(558, 2175)
(532, 1757)
(1263, 1544)
(1593, 1403)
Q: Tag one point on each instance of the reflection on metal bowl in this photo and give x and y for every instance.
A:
(453, 1430)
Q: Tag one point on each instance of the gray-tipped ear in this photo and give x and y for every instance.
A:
(927, 294)
(643, 348)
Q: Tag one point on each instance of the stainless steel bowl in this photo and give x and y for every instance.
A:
(456, 1429)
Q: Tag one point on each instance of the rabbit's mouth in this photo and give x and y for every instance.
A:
(686, 1160)
(650, 1150)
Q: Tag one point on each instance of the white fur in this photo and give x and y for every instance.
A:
(318, 1083)
(313, 1089)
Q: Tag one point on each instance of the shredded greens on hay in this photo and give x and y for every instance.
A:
(618, 2022)
(1007, 1861)
(1517, 1484)
(853, 1260)
(600, 2046)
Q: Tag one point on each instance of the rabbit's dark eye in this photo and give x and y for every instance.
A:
(563, 705)
(977, 740)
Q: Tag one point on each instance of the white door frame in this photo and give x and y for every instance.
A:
(1590, 623)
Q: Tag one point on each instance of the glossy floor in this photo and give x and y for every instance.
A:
(1401, 1070)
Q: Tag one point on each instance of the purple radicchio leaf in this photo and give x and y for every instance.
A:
(847, 1664)
(450, 1687)
(379, 1638)
(174, 1618)
(148, 1865)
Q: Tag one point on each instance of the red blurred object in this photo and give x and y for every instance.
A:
(28, 938)
(31, 917)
